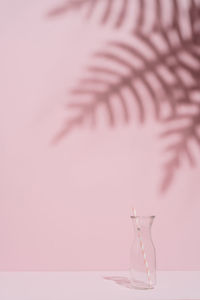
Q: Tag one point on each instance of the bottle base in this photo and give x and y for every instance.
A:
(139, 285)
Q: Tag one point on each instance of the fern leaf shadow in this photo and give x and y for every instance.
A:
(123, 71)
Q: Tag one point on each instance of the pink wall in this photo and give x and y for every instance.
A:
(67, 207)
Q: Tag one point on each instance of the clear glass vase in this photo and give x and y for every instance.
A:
(143, 255)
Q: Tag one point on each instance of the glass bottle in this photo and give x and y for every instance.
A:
(143, 255)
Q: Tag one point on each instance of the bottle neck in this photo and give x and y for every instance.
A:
(142, 226)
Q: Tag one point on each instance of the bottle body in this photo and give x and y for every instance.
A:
(143, 255)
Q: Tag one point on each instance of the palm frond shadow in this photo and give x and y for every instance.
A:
(91, 6)
(180, 148)
(139, 7)
(169, 75)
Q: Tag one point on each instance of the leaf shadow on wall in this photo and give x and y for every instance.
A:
(160, 65)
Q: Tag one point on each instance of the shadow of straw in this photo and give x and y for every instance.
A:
(124, 281)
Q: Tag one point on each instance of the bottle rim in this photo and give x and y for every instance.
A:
(136, 217)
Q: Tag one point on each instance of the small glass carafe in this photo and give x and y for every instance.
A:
(143, 255)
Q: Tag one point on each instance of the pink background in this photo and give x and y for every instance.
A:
(67, 207)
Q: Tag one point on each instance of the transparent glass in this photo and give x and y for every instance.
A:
(143, 254)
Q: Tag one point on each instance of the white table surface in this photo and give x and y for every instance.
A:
(94, 286)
